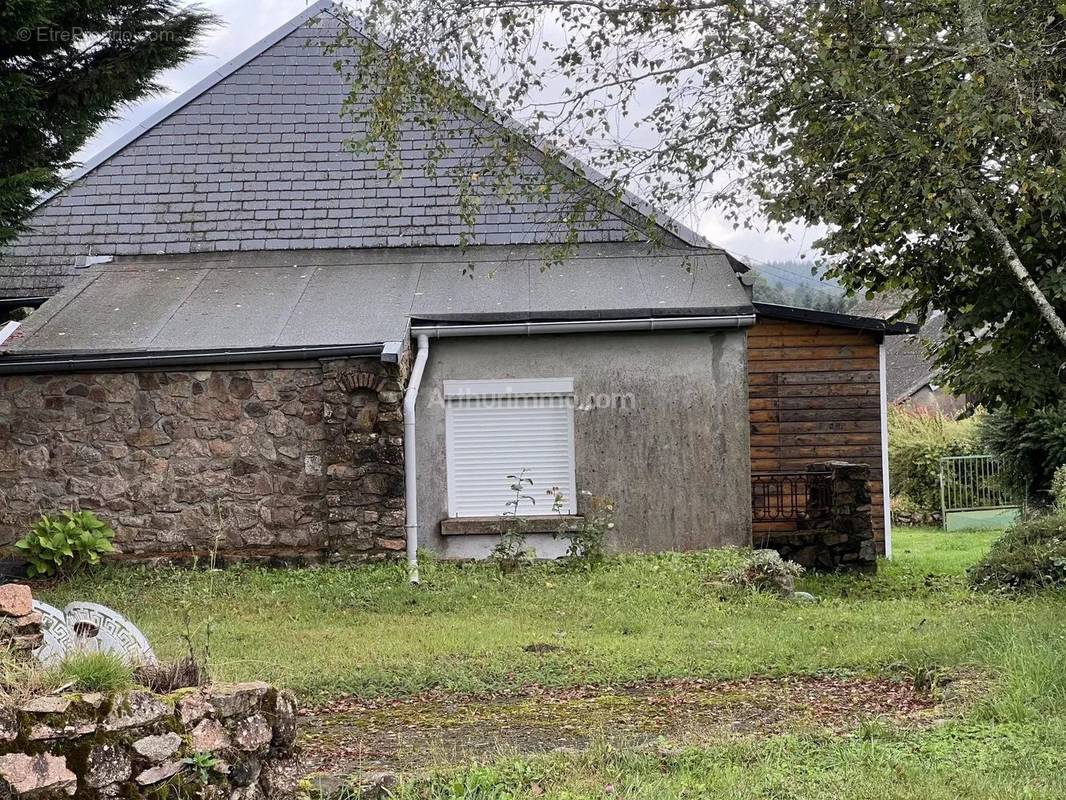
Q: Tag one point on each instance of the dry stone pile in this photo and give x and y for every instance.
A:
(20, 625)
(233, 742)
(839, 535)
(223, 742)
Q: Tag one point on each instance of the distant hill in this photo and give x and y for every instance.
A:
(791, 283)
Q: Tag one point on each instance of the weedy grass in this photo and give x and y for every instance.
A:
(469, 627)
(91, 672)
(957, 762)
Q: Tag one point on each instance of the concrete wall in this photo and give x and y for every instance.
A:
(673, 453)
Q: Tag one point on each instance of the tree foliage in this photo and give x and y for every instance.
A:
(926, 137)
(1031, 445)
(66, 66)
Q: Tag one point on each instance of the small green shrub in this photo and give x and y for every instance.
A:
(65, 544)
(94, 672)
(512, 549)
(766, 571)
(1058, 488)
(201, 765)
(1030, 555)
(588, 544)
(917, 440)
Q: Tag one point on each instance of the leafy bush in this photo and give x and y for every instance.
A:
(512, 549)
(588, 543)
(766, 571)
(917, 440)
(68, 543)
(94, 672)
(1058, 488)
(1032, 446)
(1031, 554)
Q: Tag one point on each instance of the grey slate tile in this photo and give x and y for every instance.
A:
(268, 137)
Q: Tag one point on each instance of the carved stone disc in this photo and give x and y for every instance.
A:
(58, 637)
(102, 629)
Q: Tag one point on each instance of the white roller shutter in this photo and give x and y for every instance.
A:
(499, 428)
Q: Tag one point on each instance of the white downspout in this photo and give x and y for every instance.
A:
(886, 491)
(7, 330)
(410, 450)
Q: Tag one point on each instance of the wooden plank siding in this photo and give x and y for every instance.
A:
(814, 395)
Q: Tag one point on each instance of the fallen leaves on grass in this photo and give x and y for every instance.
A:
(438, 727)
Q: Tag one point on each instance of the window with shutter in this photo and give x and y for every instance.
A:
(496, 428)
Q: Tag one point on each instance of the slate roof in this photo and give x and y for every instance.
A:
(311, 298)
(907, 367)
(254, 159)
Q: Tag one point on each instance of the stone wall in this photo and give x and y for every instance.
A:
(838, 531)
(240, 739)
(281, 462)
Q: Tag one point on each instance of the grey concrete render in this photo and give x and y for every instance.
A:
(255, 159)
(661, 427)
(363, 296)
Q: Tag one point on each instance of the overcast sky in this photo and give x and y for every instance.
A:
(248, 21)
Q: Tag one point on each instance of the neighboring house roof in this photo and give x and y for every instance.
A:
(337, 298)
(908, 369)
(253, 158)
(833, 319)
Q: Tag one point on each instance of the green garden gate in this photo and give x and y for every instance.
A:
(974, 493)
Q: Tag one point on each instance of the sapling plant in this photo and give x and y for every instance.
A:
(512, 548)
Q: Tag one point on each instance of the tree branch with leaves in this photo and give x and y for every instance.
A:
(67, 67)
(924, 137)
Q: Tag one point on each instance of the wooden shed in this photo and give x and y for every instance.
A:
(816, 394)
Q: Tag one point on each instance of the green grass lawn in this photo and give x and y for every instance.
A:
(365, 631)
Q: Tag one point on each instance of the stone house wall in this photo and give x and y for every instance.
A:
(286, 462)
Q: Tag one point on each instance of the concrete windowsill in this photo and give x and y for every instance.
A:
(494, 526)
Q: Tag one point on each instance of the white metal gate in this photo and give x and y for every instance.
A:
(975, 494)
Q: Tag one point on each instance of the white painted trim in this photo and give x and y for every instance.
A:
(521, 387)
(7, 330)
(410, 456)
(885, 488)
(187, 97)
(582, 326)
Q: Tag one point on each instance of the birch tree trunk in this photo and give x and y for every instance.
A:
(976, 33)
(989, 227)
